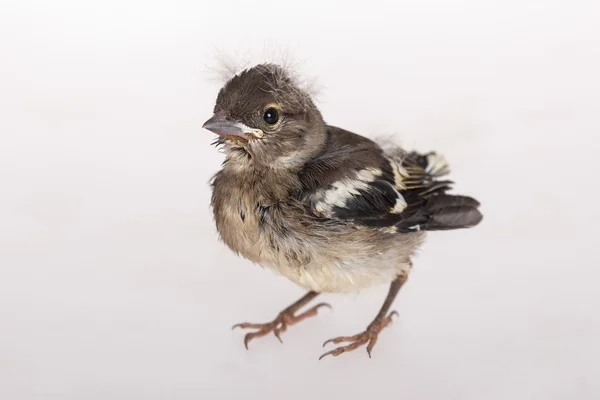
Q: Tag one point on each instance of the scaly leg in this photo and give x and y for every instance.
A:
(370, 334)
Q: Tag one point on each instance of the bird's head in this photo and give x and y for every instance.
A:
(265, 114)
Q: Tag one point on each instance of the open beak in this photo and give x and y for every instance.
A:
(221, 125)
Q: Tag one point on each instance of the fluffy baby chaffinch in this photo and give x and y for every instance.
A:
(329, 209)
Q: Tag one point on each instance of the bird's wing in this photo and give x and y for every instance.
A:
(354, 180)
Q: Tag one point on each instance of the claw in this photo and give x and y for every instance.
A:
(277, 331)
(371, 345)
(326, 354)
(247, 338)
(326, 305)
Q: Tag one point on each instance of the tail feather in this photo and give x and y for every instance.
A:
(457, 217)
(444, 212)
(447, 200)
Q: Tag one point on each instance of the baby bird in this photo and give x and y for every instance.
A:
(331, 210)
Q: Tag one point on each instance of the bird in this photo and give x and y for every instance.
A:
(331, 210)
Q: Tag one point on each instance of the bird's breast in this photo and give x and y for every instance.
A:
(240, 227)
(324, 257)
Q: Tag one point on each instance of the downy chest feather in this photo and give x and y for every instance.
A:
(249, 217)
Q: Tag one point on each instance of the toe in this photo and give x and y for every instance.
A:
(371, 344)
(247, 325)
(340, 339)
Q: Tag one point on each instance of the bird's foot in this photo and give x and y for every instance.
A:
(279, 324)
(368, 336)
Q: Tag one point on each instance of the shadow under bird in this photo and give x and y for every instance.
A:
(333, 211)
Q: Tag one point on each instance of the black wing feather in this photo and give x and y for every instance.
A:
(374, 203)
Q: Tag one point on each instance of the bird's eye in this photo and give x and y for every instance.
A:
(271, 116)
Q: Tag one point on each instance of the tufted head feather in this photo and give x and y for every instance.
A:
(227, 66)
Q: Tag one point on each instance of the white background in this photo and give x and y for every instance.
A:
(113, 284)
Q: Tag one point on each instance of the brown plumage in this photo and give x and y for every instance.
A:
(329, 209)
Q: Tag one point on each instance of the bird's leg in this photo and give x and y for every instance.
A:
(369, 336)
(284, 319)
